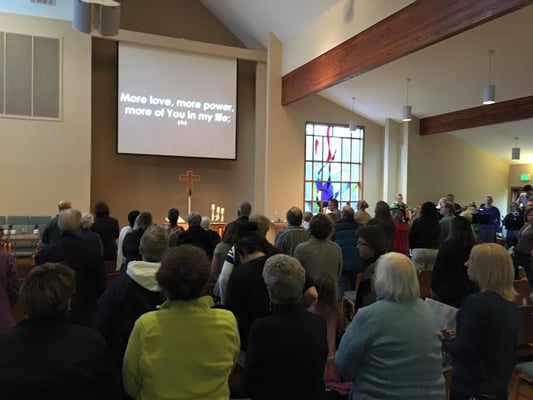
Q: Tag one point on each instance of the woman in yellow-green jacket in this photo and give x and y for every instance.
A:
(185, 349)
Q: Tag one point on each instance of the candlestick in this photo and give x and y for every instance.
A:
(213, 207)
(222, 214)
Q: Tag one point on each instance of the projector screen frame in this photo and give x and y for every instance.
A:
(235, 135)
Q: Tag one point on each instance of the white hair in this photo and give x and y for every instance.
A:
(87, 220)
(285, 277)
(396, 278)
(69, 220)
(206, 222)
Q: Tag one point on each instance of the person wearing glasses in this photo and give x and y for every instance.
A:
(371, 243)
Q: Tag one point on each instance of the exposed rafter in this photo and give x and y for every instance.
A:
(392, 38)
(497, 113)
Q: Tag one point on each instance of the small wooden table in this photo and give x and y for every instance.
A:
(10, 242)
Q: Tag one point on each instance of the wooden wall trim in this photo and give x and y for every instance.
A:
(497, 113)
(416, 26)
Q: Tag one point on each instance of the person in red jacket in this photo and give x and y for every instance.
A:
(401, 232)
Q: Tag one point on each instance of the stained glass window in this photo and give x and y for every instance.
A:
(333, 165)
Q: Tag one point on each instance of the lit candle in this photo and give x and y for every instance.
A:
(222, 210)
(213, 207)
(218, 210)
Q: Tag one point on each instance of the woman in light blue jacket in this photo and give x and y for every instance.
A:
(391, 350)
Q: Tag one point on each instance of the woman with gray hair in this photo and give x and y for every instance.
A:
(87, 220)
(289, 333)
(392, 348)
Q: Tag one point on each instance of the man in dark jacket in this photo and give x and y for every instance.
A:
(84, 259)
(196, 235)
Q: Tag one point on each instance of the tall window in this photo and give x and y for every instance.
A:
(333, 165)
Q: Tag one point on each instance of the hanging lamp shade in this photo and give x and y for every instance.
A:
(489, 91)
(407, 114)
(489, 94)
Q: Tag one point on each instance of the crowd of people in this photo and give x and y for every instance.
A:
(193, 315)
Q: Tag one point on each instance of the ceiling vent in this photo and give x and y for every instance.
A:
(45, 2)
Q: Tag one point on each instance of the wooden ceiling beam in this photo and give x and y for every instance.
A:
(497, 113)
(419, 25)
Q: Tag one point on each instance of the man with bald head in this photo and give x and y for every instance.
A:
(51, 232)
(294, 234)
(84, 259)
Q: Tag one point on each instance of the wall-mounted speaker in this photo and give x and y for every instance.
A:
(82, 19)
(109, 19)
(100, 15)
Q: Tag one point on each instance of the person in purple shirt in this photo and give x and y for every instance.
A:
(487, 231)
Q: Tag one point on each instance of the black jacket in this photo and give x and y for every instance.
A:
(54, 360)
(88, 264)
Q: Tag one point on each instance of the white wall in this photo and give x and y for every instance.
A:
(441, 164)
(45, 161)
(334, 27)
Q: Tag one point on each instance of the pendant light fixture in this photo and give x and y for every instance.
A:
(489, 92)
(515, 151)
(407, 112)
(352, 126)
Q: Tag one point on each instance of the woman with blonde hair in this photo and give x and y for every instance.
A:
(483, 349)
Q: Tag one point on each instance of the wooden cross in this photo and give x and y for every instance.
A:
(189, 177)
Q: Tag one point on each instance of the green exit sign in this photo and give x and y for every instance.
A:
(525, 177)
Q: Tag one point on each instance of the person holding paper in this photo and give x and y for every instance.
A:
(483, 349)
